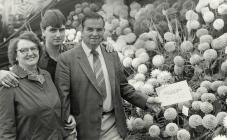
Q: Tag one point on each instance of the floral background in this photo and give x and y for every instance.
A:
(164, 42)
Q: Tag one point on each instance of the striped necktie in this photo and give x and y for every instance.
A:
(97, 67)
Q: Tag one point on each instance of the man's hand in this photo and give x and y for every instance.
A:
(71, 123)
(153, 104)
(8, 79)
(109, 47)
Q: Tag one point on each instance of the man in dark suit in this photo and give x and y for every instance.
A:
(91, 84)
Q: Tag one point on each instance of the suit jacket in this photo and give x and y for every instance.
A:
(81, 97)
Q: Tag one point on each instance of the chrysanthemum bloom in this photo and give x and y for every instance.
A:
(208, 17)
(219, 43)
(142, 69)
(129, 52)
(124, 23)
(192, 24)
(208, 97)
(179, 61)
(155, 73)
(203, 46)
(145, 36)
(220, 137)
(119, 45)
(158, 60)
(210, 54)
(201, 32)
(139, 43)
(171, 129)
(164, 77)
(191, 15)
(170, 46)
(135, 5)
(222, 9)
(201, 4)
(127, 30)
(139, 51)
(222, 90)
(139, 77)
(195, 120)
(206, 38)
(170, 114)
(130, 38)
(115, 22)
(206, 84)
(136, 62)
(216, 84)
(214, 4)
(178, 70)
(147, 89)
(153, 82)
(196, 105)
(209, 121)
(148, 119)
(133, 13)
(168, 36)
(195, 59)
(225, 122)
(183, 134)
(154, 131)
(138, 123)
(220, 117)
(150, 45)
(186, 46)
(218, 24)
(224, 66)
(202, 90)
(118, 31)
(129, 123)
(206, 107)
(127, 62)
(144, 57)
(138, 85)
(196, 96)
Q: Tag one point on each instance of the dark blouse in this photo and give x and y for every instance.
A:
(31, 111)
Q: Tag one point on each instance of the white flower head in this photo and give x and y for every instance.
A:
(139, 51)
(144, 57)
(139, 77)
(164, 77)
(142, 69)
(218, 24)
(220, 137)
(150, 45)
(191, 15)
(136, 62)
(222, 9)
(127, 62)
(129, 123)
(208, 17)
(158, 60)
(170, 46)
(155, 73)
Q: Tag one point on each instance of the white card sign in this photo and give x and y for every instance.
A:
(174, 93)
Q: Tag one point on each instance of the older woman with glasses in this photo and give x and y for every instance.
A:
(31, 111)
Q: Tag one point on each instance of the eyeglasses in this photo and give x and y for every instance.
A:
(26, 50)
(54, 30)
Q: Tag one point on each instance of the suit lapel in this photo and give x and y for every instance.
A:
(83, 61)
(110, 68)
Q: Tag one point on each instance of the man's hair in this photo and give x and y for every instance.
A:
(52, 17)
(12, 49)
(91, 15)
